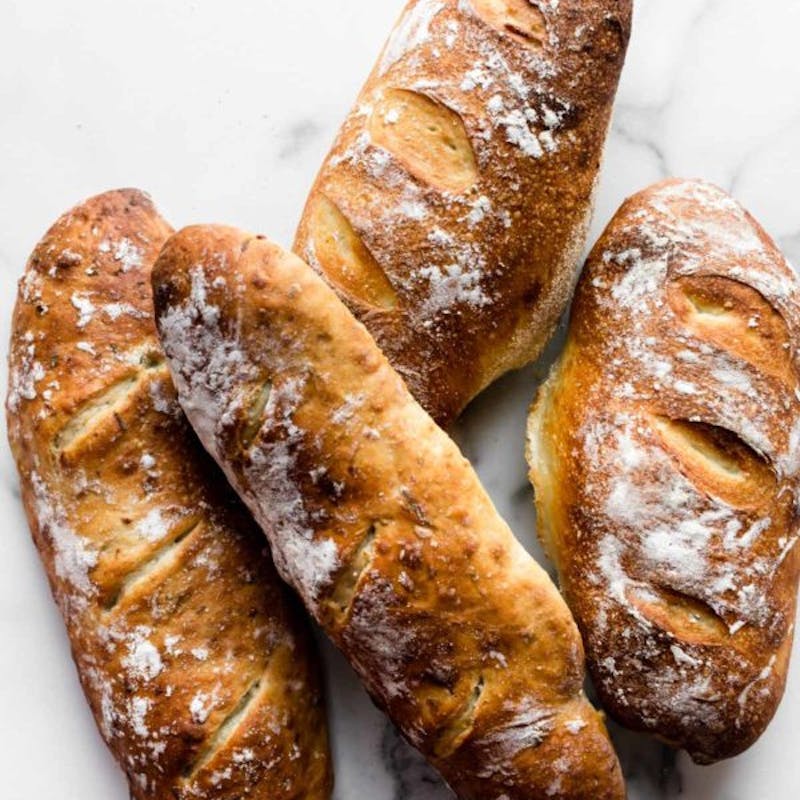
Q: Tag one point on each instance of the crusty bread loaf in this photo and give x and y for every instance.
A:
(452, 211)
(379, 522)
(196, 663)
(665, 451)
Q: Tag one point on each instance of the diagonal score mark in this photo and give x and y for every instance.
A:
(105, 404)
(227, 727)
(152, 564)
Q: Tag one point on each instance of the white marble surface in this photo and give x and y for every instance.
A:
(223, 111)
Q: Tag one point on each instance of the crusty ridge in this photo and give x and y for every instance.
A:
(198, 667)
(665, 452)
(452, 211)
(380, 523)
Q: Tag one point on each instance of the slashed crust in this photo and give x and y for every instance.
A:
(452, 211)
(665, 451)
(198, 666)
(378, 521)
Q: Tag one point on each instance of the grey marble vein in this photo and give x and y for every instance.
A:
(645, 119)
(298, 138)
(414, 779)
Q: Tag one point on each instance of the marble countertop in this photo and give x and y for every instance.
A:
(223, 112)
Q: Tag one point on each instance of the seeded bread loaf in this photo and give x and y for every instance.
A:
(379, 523)
(452, 211)
(197, 665)
(665, 453)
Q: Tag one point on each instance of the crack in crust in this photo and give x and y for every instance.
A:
(345, 589)
(167, 554)
(226, 729)
(687, 618)
(718, 460)
(255, 414)
(462, 725)
(737, 318)
(520, 19)
(346, 261)
(426, 137)
(103, 406)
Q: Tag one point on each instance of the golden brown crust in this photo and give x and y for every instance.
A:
(463, 182)
(665, 451)
(380, 523)
(197, 665)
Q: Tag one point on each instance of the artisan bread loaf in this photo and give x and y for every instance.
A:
(379, 522)
(665, 450)
(452, 211)
(197, 665)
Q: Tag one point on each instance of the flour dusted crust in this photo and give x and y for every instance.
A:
(665, 452)
(198, 667)
(452, 211)
(379, 522)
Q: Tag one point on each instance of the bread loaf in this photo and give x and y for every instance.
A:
(452, 211)
(665, 450)
(197, 665)
(379, 522)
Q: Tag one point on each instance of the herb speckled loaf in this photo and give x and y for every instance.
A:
(198, 666)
